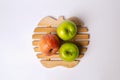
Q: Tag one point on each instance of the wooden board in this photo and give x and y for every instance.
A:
(48, 26)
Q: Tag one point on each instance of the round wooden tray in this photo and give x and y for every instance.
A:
(48, 26)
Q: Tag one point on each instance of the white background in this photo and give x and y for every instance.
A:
(18, 18)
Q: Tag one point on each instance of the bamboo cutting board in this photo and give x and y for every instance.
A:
(48, 26)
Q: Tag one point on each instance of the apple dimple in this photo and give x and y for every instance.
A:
(68, 53)
(50, 50)
(67, 31)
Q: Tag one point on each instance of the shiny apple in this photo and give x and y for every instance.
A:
(49, 44)
(68, 51)
(66, 30)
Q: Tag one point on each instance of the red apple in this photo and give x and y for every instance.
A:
(49, 44)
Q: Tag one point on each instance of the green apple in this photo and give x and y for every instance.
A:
(68, 52)
(66, 30)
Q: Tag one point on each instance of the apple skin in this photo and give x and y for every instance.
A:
(66, 30)
(49, 44)
(68, 52)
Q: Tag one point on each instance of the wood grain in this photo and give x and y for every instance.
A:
(78, 36)
(82, 43)
(36, 49)
(50, 21)
(53, 29)
(55, 56)
(50, 64)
